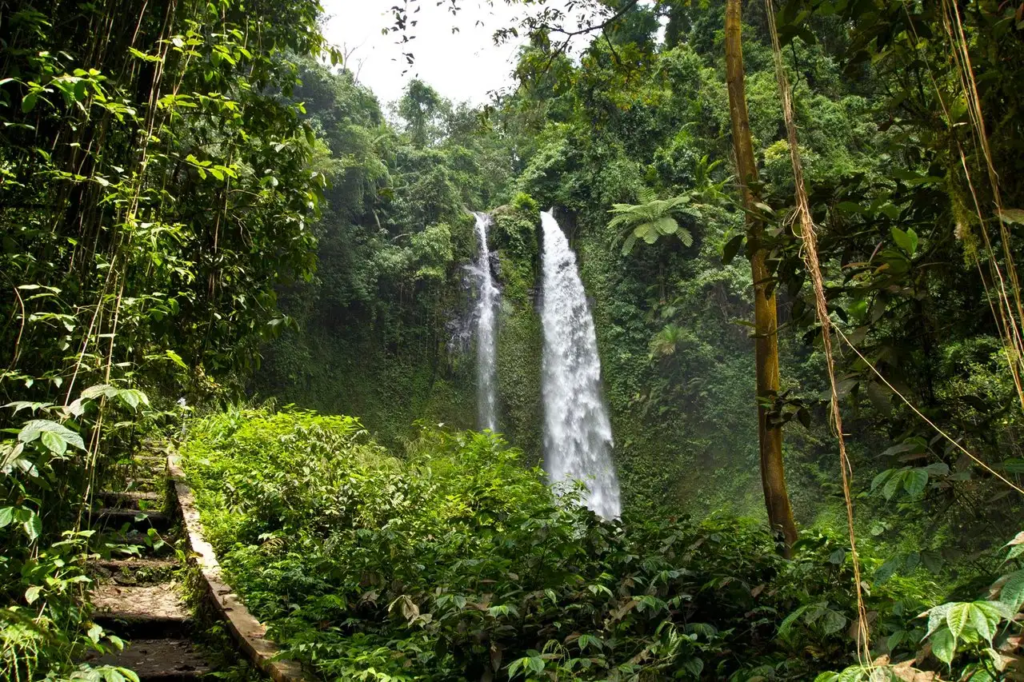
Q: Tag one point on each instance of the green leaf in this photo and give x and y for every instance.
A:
(957, 618)
(732, 248)
(932, 560)
(54, 443)
(667, 225)
(881, 478)
(905, 240)
(32, 593)
(6, 516)
(787, 624)
(627, 246)
(35, 428)
(915, 481)
(1014, 465)
(694, 666)
(893, 484)
(887, 570)
(29, 102)
(937, 618)
(1011, 594)
(985, 619)
(944, 645)
(33, 526)
(176, 359)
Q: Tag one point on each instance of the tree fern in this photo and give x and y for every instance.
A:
(651, 219)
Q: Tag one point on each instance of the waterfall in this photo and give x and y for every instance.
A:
(486, 316)
(577, 432)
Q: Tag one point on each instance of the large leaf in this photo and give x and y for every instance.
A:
(54, 443)
(627, 246)
(35, 428)
(985, 618)
(914, 481)
(666, 225)
(1012, 592)
(905, 240)
(893, 484)
(957, 618)
(787, 624)
(944, 645)
(732, 248)
(937, 618)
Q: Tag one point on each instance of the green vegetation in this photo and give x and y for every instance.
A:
(194, 204)
(455, 562)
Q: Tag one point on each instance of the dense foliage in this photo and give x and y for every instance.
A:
(156, 185)
(455, 562)
(193, 203)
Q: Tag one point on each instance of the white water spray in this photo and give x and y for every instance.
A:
(486, 324)
(577, 432)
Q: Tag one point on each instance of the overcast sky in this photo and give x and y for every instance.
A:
(463, 66)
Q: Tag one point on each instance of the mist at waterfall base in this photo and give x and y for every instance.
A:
(486, 315)
(577, 430)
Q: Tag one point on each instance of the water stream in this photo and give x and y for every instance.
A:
(486, 316)
(577, 431)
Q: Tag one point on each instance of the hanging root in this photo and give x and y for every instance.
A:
(810, 252)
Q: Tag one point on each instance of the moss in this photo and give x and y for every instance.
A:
(519, 340)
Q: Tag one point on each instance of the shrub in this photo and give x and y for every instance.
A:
(456, 562)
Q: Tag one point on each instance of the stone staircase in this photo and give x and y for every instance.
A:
(138, 596)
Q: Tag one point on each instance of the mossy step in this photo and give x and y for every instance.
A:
(136, 519)
(141, 612)
(112, 541)
(133, 571)
(150, 500)
(159, 660)
(154, 484)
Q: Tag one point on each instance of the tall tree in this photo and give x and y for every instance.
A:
(766, 343)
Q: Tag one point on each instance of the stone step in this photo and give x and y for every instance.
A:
(134, 570)
(141, 612)
(115, 519)
(149, 500)
(111, 542)
(159, 660)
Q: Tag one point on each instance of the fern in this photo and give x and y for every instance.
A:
(650, 220)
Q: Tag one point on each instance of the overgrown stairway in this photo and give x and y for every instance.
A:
(137, 592)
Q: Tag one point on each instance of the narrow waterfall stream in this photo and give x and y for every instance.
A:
(486, 315)
(577, 432)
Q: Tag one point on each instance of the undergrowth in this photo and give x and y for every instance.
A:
(456, 562)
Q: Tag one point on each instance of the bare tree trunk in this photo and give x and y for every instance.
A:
(766, 349)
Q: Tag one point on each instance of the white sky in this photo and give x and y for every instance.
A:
(463, 66)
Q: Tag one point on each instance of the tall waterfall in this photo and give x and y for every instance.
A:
(486, 315)
(577, 432)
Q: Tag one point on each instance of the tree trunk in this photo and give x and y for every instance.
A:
(766, 349)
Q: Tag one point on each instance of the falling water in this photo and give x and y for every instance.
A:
(577, 433)
(486, 339)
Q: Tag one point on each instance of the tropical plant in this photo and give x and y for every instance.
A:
(651, 219)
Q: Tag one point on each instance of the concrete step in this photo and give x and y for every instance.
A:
(115, 519)
(159, 660)
(133, 571)
(112, 541)
(148, 500)
(141, 612)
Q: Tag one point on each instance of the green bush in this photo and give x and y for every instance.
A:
(455, 562)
